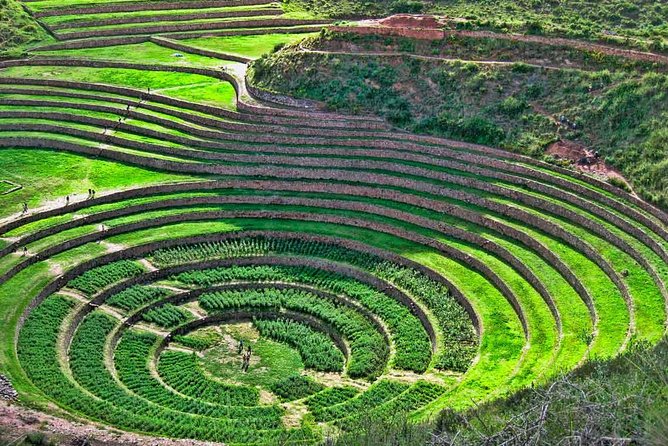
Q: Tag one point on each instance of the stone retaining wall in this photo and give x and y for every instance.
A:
(282, 100)
(184, 27)
(162, 18)
(100, 8)
(136, 252)
(411, 33)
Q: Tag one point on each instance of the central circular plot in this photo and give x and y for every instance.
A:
(239, 337)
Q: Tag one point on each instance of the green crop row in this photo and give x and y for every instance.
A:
(296, 387)
(418, 395)
(97, 279)
(377, 394)
(168, 316)
(455, 325)
(316, 349)
(181, 372)
(330, 397)
(369, 351)
(136, 297)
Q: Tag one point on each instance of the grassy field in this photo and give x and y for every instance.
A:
(48, 177)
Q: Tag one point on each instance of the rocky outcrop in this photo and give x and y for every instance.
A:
(7, 391)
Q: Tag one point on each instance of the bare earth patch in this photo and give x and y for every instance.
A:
(416, 26)
(16, 422)
(583, 159)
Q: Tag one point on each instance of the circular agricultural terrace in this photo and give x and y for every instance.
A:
(373, 272)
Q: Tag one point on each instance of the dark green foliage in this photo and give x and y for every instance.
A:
(198, 340)
(407, 6)
(476, 129)
(99, 278)
(168, 316)
(296, 387)
(17, 28)
(316, 349)
(37, 439)
(136, 297)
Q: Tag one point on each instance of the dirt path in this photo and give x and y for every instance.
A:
(560, 41)
(435, 28)
(422, 57)
(148, 265)
(17, 422)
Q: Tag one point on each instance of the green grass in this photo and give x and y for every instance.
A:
(113, 76)
(219, 94)
(49, 176)
(146, 52)
(18, 30)
(6, 187)
(247, 46)
(276, 361)
(74, 19)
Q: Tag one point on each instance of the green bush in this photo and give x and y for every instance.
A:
(296, 387)
(407, 6)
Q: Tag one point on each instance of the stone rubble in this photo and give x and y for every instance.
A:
(7, 391)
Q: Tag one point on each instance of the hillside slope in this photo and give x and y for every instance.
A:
(522, 96)
(632, 19)
(17, 28)
(621, 401)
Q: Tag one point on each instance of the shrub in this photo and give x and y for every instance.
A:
(296, 387)
(407, 6)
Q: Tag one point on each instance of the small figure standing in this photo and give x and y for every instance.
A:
(240, 348)
(25, 208)
(92, 193)
(246, 362)
(67, 200)
(25, 251)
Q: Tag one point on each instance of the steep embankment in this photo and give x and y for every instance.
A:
(637, 22)
(538, 96)
(17, 28)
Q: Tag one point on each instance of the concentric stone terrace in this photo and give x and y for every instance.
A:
(372, 271)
